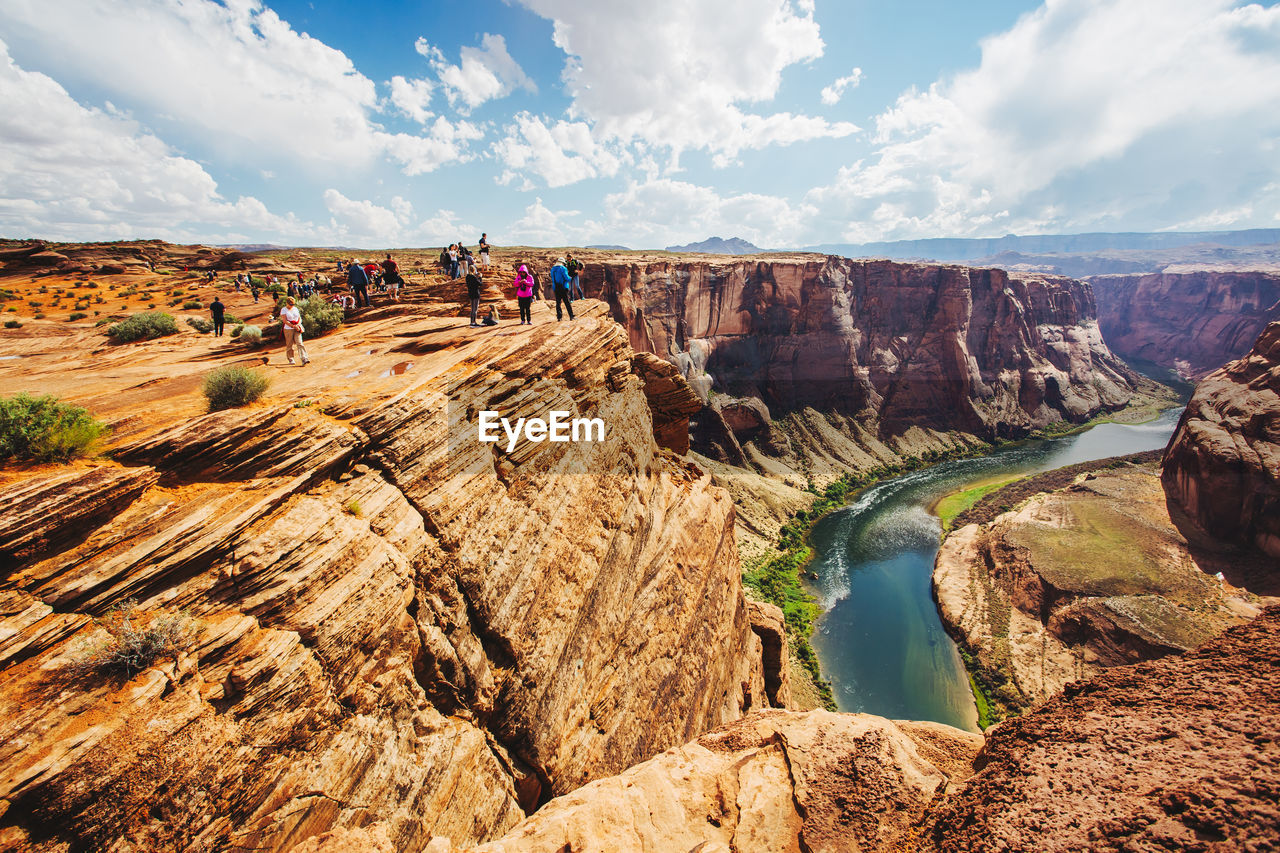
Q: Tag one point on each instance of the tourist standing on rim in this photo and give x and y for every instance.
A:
(484, 252)
(391, 276)
(358, 281)
(474, 283)
(291, 323)
(574, 267)
(219, 313)
(524, 295)
(560, 285)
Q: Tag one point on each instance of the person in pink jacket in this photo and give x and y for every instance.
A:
(524, 295)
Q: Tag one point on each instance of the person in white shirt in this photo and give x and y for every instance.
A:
(291, 320)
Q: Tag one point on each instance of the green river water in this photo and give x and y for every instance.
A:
(880, 640)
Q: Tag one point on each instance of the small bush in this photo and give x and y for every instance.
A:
(77, 315)
(192, 305)
(250, 335)
(319, 316)
(39, 315)
(177, 291)
(134, 644)
(229, 387)
(13, 324)
(151, 324)
(200, 325)
(353, 508)
(43, 429)
(82, 305)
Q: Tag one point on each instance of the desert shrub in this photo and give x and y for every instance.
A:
(144, 326)
(192, 305)
(200, 324)
(250, 335)
(39, 315)
(135, 643)
(12, 324)
(77, 315)
(82, 305)
(44, 429)
(353, 508)
(178, 291)
(276, 289)
(232, 386)
(319, 316)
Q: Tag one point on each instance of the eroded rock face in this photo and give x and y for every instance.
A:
(1078, 580)
(395, 624)
(1175, 754)
(1222, 466)
(774, 781)
(1192, 322)
(980, 351)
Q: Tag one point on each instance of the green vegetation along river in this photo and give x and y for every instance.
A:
(879, 640)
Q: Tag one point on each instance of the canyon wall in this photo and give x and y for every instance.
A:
(1192, 322)
(384, 620)
(897, 346)
(1222, 466)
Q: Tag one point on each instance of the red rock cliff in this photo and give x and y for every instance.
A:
(946, 347)
(1222, 466)
(1193, 322)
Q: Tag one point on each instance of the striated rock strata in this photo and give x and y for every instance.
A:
(389, 622)
(942, 347)
(1077, 580)
(1175, 754)
(774, 781)
(1222, 466)
(1193, 322)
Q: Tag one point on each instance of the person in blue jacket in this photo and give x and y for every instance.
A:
(560, 284)
(358, 280)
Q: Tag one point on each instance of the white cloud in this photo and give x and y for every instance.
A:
(561, 154)
(661, 212)
(360, 222)
(411, 97)
(446, 142)
(832, 94)
(483, 74)
(1086, 114)
(679, 76)
(236, 75)
(68, 172)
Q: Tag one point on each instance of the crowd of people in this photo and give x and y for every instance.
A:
(456, 261)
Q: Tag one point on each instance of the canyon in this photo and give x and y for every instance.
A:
(1193, 322)
(401, 638)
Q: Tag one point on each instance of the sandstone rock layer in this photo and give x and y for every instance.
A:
(1222, 466)
(1194, 322)
(1174, 754)
(389, 621)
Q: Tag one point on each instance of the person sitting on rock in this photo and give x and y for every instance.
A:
(490, 317)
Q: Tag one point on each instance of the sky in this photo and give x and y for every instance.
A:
(552, 122)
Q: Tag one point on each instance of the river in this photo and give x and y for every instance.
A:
(880, 640)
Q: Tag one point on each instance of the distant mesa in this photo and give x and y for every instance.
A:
(974, 249)
(720, 246)
(609, 248)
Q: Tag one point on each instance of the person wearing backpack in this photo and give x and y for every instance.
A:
(524, 295)
(560, 285)
(574, 267)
